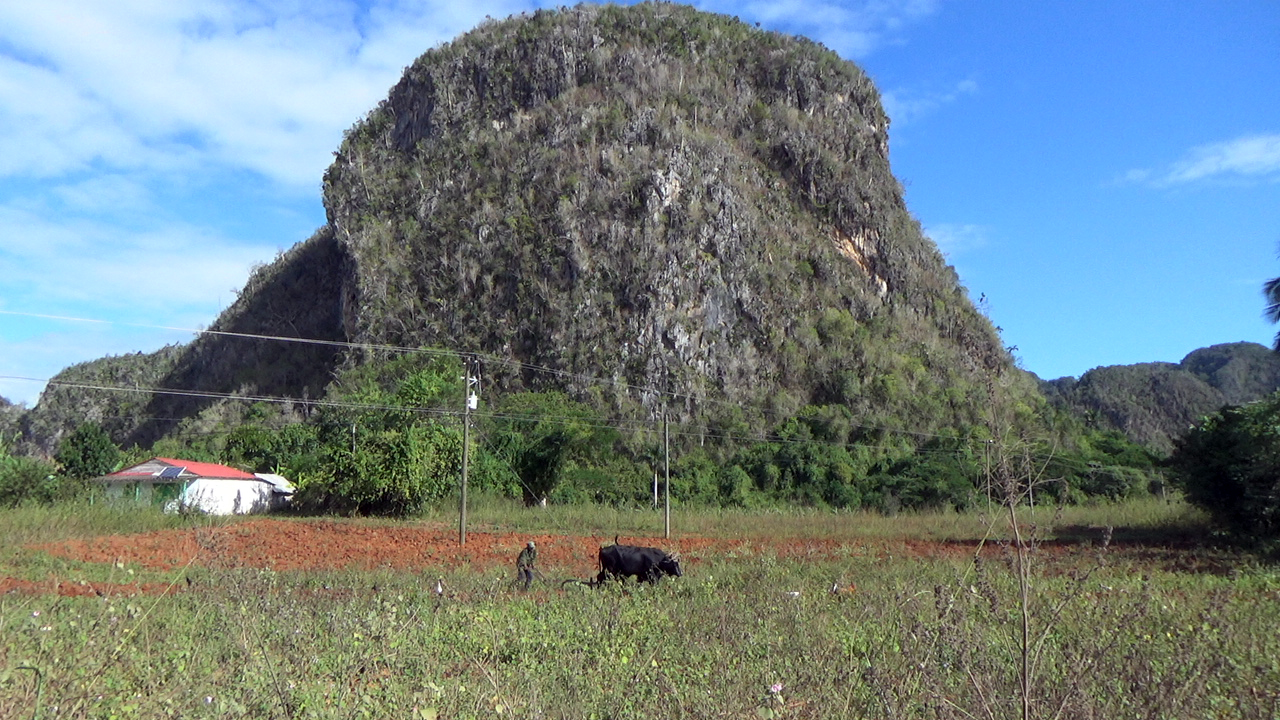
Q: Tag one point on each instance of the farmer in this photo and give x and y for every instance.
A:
(524, 564)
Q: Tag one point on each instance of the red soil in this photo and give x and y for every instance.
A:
(421, 548)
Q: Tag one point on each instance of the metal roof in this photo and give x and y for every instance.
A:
(153, 469)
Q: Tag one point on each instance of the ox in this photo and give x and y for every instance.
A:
(645, 564)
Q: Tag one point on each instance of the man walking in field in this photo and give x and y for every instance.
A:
(524, 564)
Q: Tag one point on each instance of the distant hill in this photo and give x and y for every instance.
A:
(641, 200)
(1153, 403)
(297, 296)
(63, 408)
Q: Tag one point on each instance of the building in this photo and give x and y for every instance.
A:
(203, 487)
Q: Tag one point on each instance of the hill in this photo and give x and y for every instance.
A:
(648, 207)
(661, 198)
(1153, 403)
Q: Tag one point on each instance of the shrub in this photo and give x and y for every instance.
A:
(1230, 466)
(24, 479)
(539, 435)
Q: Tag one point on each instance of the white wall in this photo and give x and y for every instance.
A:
(229, 497)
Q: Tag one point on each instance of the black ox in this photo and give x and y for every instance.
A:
(645, 564)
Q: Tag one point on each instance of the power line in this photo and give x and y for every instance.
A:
(612, 423)
(209, 394)
(440, 352)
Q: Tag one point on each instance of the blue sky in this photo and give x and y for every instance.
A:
(1106, 175)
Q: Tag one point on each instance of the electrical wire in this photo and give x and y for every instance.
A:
(434, 352)
(613, 423)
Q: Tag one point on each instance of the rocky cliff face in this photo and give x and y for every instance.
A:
(656, 196)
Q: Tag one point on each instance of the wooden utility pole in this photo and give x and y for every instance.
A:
(466, 449)
(666, 485)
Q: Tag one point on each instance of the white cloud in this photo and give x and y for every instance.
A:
(854, 30)
(269, 88)
(1252, 157)
(904, 106)
(49, 127)
(957, 238)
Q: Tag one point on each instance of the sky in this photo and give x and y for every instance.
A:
(1105, 176)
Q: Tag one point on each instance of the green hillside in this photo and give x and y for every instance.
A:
(1153, 403)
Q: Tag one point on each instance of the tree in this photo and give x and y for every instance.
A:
(1271, 291)
(251, 445)
(1230, 466)
(26, 479)
(389, 446)
(88, 452)
(538, 433)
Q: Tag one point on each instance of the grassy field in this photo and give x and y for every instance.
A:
(1159, 624)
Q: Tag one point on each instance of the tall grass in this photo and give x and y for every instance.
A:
(38, 523)
(1150, 518)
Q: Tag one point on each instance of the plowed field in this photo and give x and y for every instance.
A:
(420, 548)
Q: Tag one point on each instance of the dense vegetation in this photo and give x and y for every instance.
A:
(1230, 466)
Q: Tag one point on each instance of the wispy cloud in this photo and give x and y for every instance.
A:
(1249, 158)
(955, 239)
(852, 29)
(906, 105)
(266, 87)
(162, 269)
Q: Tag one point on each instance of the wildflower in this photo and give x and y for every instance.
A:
(35, 614)
(775, 688)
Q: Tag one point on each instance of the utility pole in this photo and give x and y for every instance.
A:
(470, 402)
(666, 485)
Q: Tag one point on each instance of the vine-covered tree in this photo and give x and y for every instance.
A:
(537, 434)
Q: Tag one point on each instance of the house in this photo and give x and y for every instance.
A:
(205, 487)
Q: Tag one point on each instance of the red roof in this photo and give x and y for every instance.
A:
(210, 469)
(152, 467)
